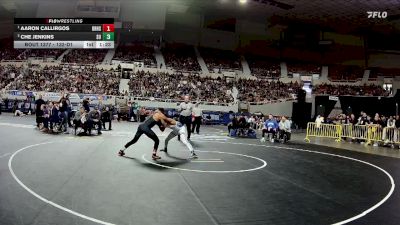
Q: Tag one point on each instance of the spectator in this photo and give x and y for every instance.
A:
(81, 120)
(106, 117)
(15, 105)
(54, 115)
(319, 120)
(136, 53)
(389, 133)
(270, 127)
(85, 104)
(64, 111)
(173, 86)
(264, 68)
(181, 58)
(95, 119)
(6, 102)
(85, 56)
(220, 60)
(45, 117)
(284, 128)
(265, 91)
(303, 68)
(39, 113)
(339, 90)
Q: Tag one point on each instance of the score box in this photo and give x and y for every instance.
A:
(108, 27)
(108, 36)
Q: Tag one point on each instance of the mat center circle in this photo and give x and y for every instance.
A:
(263, 163)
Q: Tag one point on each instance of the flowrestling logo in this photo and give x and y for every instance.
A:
(377, 14)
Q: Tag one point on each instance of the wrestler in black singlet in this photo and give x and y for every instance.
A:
(145, 128)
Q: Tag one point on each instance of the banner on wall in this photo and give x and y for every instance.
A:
(94, 97)
(16, 93)
(30, 94)
(306, 78)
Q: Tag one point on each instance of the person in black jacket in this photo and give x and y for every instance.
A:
(6, 101)
(15, 106)
(233, 125)
(397, 123)
(54, 117)
(64, 112)
(39, 112)
(85, 104)
(106, 117)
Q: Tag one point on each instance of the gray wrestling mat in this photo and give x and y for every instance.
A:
(63, 179)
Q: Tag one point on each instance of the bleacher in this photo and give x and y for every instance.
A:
(136, 53)
(42, 53)
(180, 57)
(85, 56)
(7, 51)
(345, 73)
(220, 60)
(303, 68)
(381, 72)
(264, 67)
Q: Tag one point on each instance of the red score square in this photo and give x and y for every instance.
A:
(108, 27)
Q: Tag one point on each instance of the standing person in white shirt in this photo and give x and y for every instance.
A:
(185, 116)
(198, 115)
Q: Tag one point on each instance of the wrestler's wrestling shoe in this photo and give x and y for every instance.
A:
(121, 153)
(164, 150)
(193, 156)
(155, 156)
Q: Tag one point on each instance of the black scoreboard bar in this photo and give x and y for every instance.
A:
(46, 33)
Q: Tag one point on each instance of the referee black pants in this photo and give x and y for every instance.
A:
(186, 120)
(196, 124)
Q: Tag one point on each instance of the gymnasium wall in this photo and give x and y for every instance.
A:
(56, 9)
(183, 28)
(144, 14)
(281, 108)
(344, 39)
(6, 28)
(384, 60)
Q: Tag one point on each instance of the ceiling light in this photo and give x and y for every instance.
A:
(243, 1)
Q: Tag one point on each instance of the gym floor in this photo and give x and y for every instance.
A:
(62, 179)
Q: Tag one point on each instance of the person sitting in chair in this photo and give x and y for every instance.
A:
(80, 120)
(233, 125)
(95, 119)
(270, 127)
(284, 129)
(54, 115)
(45, 117)
(243, 126)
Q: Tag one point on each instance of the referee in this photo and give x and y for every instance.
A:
(185, 116)
(198, 115)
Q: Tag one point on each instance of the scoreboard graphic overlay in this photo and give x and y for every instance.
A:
(49, 33)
